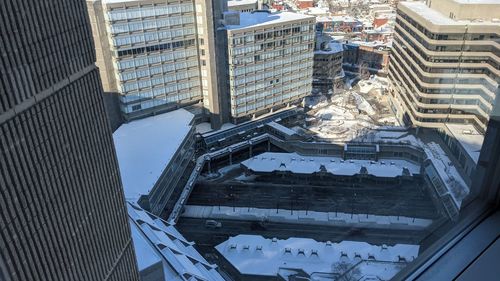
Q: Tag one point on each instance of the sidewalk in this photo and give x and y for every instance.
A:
(303, 217)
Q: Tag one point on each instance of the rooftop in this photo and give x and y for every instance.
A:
(269, 162)
(145, 147)
(437, 18)
(158, 241)
(256, 255)
(261, 18)
(234, 3)
(332, 48)
(470, 139)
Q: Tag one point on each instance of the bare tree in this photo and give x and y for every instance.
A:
(347, 271)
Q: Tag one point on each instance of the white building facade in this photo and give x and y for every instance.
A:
(270, 58)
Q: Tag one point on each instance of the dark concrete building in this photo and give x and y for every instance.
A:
(62, 209)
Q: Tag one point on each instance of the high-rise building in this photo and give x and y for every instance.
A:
(159, 55)
(444, 62)
(270, 58)
(148, 52)
(62, 208)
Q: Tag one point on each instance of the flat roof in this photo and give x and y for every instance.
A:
(234, 3)
(333, 46)
(145, 147)
(249, 19)
(468, 137)
(269, 162)
(256, 255)
(435, 17)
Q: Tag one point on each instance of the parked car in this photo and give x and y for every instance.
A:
(213, 224)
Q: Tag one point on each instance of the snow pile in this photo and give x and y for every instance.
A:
(353, 114)
(256, 255)
(362, 104)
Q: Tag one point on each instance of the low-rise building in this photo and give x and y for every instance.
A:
(242, 5)
(327, 71)
(366, 58)
(252, 257)
(270, 58)
(464, 142)
(304, 4)
(153, 154)
(162, 253)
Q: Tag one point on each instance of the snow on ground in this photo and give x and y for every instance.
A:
(304, 217)
(256, 255)
(351, 114)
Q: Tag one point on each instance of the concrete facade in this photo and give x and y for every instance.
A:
(444, 62)
(270, 61)
(62, 208)
(327, 71)
(148, 52)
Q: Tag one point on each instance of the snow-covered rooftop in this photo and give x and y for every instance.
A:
(333, 48)
(292, 162)
(234, 3)
(437, 18)
(260, 18)
(157, 241)
(256, 255)
(470, 139)
(145, 147)
(455, 184)
(281, 128)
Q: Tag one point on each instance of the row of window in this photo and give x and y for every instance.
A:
(158, 10)
(151, 36)
(160, 100)
(159, 47)
(150, 71)
(153, 82)
(267, 102)
(156, 81)
(277, 63)
(270, 45)
(453, 100)
(151, 24)
(299, 73)
(304, 78)
(238, 40)
(158, 58)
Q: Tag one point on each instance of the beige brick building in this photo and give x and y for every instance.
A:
(445, 62)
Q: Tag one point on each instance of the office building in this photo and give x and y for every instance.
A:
(270, 58)
(327, 71)
(147, 51)
(444, 62)
(62, 209)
